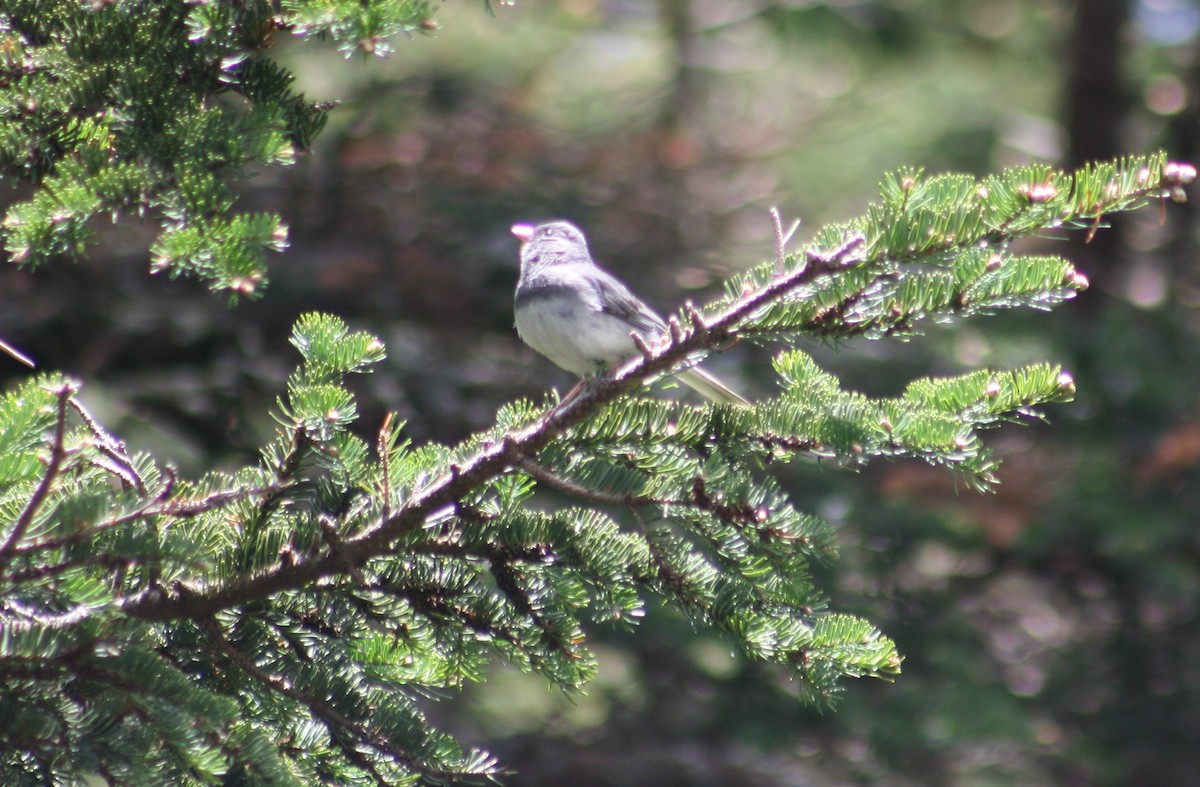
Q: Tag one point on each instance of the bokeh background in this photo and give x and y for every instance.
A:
(1050, 629)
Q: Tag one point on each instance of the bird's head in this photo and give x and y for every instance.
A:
(552, 242)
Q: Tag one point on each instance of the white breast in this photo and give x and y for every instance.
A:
(573, 335)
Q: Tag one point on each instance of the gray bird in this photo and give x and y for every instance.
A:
(581, 317)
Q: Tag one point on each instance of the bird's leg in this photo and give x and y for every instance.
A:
(578, 389)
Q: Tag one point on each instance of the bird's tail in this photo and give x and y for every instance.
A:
(709, 386)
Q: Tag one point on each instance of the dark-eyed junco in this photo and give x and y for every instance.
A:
(579, 316)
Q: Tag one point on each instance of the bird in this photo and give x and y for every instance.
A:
(580, 316)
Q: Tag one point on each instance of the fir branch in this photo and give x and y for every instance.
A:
(114, 562)
(671, 582)
(160, 505)
(704, 334)
(59, 620)
(431, 604)
(330, 715)
(544, 476)
(54, 465)
(336, 545)
(507, 578)
(191, 508)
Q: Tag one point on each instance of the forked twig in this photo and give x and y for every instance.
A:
(781, 239)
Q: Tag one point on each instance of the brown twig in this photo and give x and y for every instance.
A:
(119, 462)
(643, 346)
(16, 354)
(44, 571)
(381, 448)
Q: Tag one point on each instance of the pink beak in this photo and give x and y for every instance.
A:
(524, 232)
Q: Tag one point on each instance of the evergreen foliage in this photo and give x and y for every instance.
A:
(150, 108)
(283, 622)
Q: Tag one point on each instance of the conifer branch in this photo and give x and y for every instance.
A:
(160, 505)
(435, 606)
(113, 562)
(347, 577)
(492, 461)
(52, 620)
(436, 549)
(331, 716)
(54, 465)
(542, 475)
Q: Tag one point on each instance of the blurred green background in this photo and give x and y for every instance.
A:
(1050, 630)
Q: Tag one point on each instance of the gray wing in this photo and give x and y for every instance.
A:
(616, 299)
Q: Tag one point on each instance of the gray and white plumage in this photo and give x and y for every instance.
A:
(581, 317)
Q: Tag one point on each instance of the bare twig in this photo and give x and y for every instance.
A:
(781, 239)
(113, 450)
(44, 571)
(381, 448)
(16, 354)
(54, 620)
(217, 499)
(675, 329)
(694, 317)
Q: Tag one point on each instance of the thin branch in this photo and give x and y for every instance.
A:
(777, 224)
(381, 448)
(58, 454)
(188, 508)
(284, 687)
(159, 506)
(433, 605)
(59, 620)
(16, 354)
(544, 476)
(54, 569)
(665, 574)
(287, 471)
(781, 239)
(119, 462)
(643, 346)
(508, 575)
